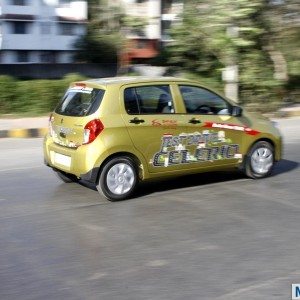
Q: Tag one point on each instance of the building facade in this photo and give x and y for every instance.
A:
(40, 31)
(160, 16)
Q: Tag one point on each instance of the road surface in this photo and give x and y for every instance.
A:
(209, 236)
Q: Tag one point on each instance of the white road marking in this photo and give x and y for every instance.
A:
(157, 263)
(97, 276)
(93, 227)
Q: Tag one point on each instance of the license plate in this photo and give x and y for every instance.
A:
(63, 160)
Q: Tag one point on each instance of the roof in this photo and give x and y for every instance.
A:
(132, 79)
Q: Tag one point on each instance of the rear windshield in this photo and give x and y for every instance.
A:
(80, 101)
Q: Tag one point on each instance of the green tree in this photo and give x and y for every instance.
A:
(217, 33)
(106, 32)
(285, 23)
(103, 37)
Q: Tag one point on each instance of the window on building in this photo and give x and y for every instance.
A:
(67, 29)
(141, 44)
(19, 2)
(45, 28)
(165, 29)
(48, 57)
(19, 27)
(166, 6)
(22, 56)
(64, 1)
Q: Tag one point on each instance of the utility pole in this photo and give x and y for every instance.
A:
(231, 73)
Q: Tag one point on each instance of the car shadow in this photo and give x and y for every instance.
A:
(187, 181)
(283, 166)
(201, 179)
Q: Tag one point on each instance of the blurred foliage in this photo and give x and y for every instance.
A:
(95, 48)
(210, 82)
(134, 25)
(32, 96)
(104, 39)
(256, 35)
(7, 93)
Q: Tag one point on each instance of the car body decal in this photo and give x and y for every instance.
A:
(194, 148)
(245, 129)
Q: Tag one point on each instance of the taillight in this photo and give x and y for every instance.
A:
(83, 85)
(91, 130)
(50, 124)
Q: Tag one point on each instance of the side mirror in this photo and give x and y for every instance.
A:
(236, 111)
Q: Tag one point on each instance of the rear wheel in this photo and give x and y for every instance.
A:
(118, 179)
(259, 161)
(66, 177)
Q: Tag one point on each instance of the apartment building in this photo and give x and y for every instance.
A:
(40, 31)
(159, 15)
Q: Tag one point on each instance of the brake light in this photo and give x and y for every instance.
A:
(91, 130)
(83, 85)
(50, 124)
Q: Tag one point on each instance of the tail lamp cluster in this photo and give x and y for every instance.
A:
(91, 130)
(50, 124)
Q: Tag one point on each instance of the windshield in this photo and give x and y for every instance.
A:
(80, 101)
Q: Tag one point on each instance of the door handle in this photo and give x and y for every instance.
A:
(194, 121)
(136, 121)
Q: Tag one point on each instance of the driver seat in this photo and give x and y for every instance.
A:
(163, 104)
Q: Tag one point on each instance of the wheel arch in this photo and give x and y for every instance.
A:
(136, 160)
(263, 139)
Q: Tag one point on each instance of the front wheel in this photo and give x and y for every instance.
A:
(259, 161)
(118, 179)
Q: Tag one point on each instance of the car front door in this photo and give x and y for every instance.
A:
(214, 136)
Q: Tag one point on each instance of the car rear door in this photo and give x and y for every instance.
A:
(149, 112)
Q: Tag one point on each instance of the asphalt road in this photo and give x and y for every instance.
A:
(209, 236)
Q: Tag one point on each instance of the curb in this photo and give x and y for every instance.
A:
(288, 114)
(24, 133)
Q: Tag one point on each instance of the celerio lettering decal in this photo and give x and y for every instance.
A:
(245, 129)
(193, 148)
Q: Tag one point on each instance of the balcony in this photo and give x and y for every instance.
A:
(30, 10)
(34, 42)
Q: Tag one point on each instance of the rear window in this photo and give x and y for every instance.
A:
(80, 101)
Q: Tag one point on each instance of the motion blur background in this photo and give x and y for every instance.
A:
(212, 236)
(248, 50)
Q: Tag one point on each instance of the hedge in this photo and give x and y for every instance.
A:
(32, 96)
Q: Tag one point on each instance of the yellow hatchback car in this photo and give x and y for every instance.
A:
(115, 132)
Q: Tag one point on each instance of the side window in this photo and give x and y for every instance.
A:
(201, 101)
(154, 99)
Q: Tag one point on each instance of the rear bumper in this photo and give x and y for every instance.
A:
(83, 159)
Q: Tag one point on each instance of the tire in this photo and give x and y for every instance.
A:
(65, 177)
(118, 179)
(259, 161)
